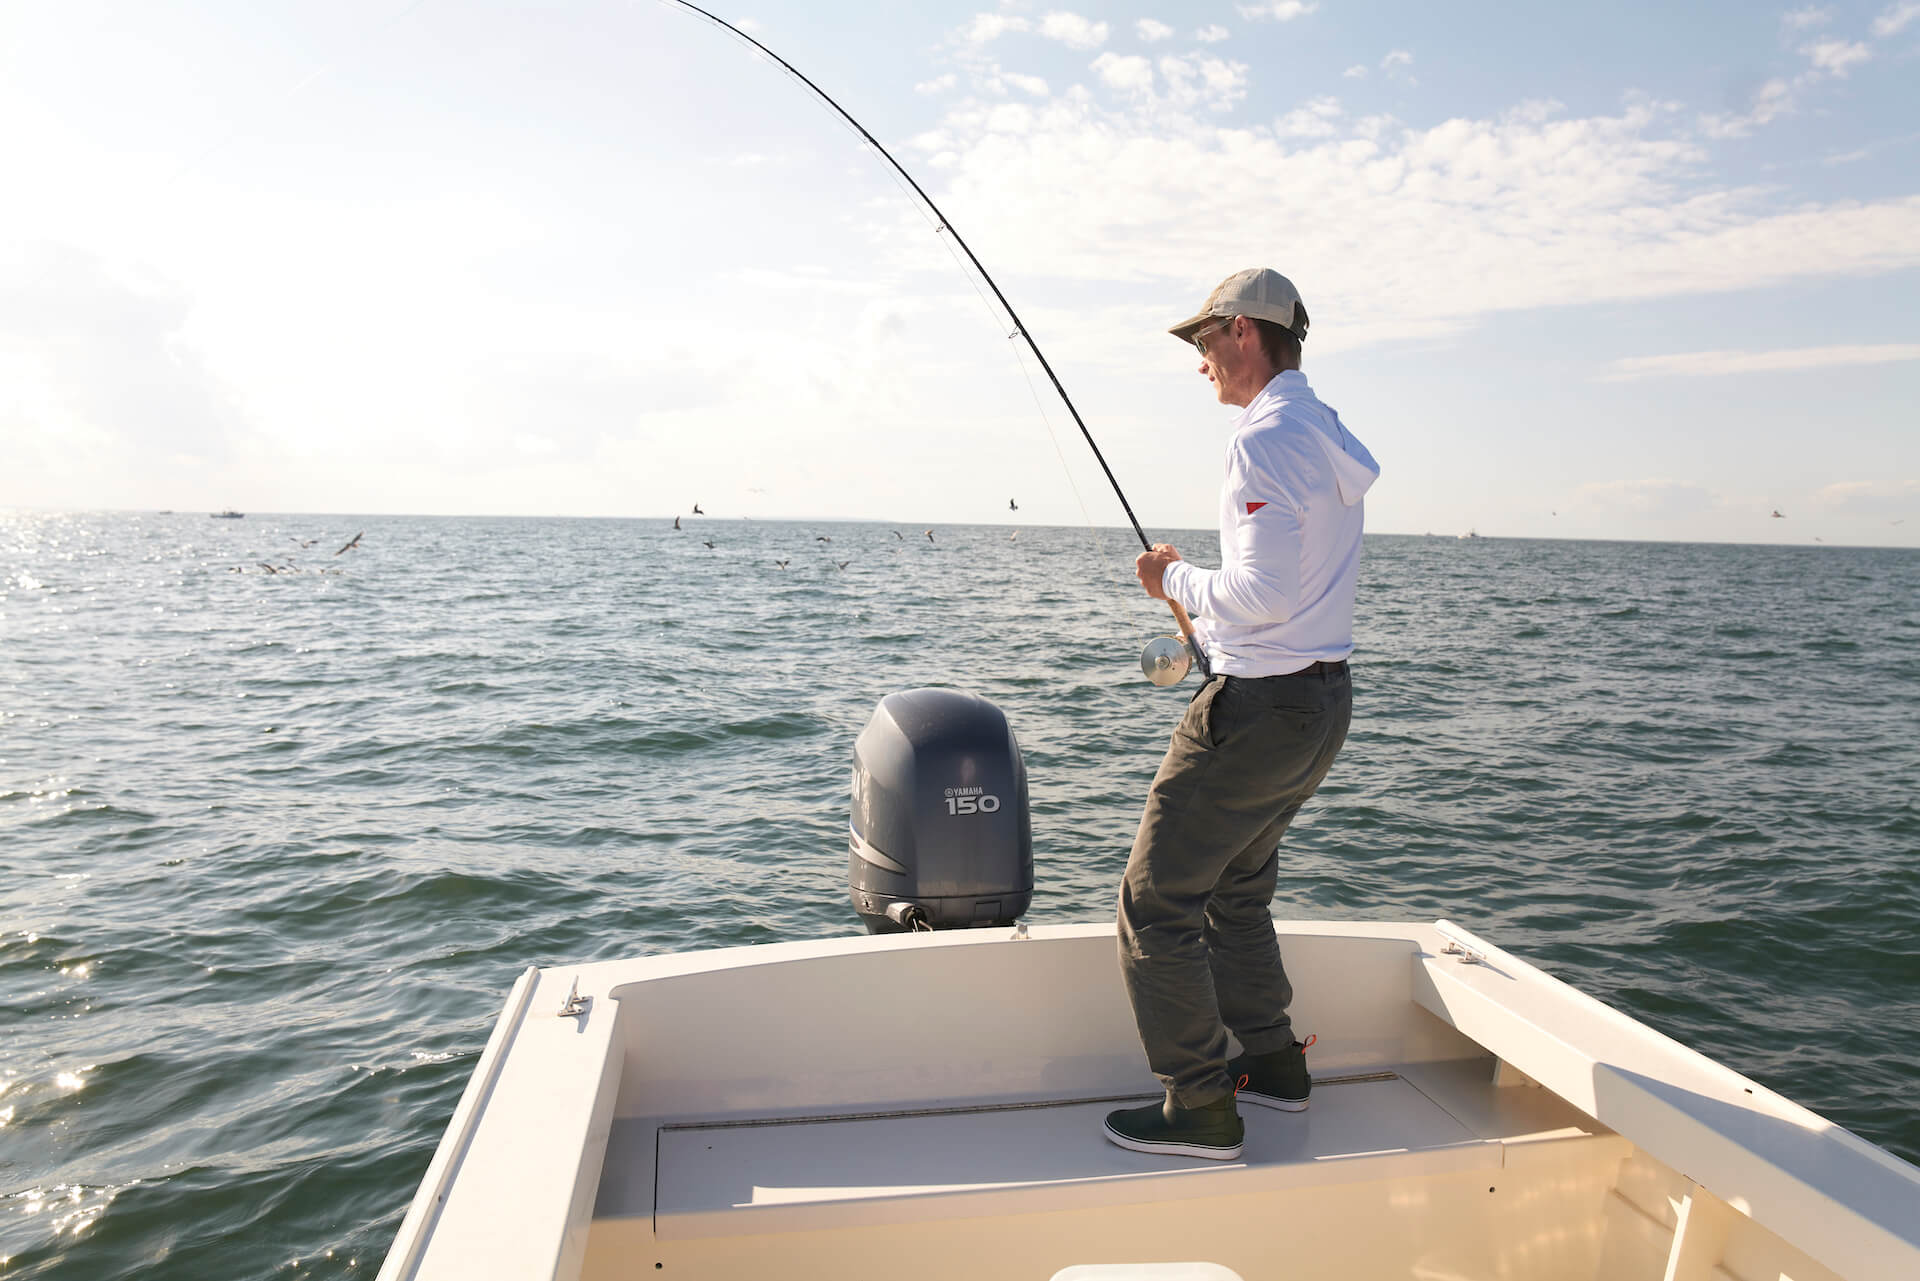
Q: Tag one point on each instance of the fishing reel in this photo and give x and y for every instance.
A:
(1166, 660)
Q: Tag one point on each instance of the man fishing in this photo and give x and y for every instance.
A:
(1197, 948)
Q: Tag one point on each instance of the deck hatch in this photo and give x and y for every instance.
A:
(968, 1109)
(787, 1174)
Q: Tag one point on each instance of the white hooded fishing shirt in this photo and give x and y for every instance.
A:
(1290, 520)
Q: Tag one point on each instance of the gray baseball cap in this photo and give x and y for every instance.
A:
(1259, 292)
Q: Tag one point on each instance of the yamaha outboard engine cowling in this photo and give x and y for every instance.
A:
(941, 837)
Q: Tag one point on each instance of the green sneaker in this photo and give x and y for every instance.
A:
(1213, 1131)
(1276, 1080)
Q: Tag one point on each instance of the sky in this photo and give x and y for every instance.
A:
(1635, 271)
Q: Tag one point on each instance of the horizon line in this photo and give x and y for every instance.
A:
(951, 524)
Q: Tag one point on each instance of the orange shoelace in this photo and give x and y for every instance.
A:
(1241, 1084)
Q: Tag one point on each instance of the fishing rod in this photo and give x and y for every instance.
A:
(1163, 663)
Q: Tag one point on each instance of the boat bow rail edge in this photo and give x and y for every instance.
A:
(1847, 1203)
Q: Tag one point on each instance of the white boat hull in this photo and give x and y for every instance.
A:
(929, 1105)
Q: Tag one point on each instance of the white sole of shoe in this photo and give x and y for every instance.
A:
(1271, 1101)
(1170, 1148)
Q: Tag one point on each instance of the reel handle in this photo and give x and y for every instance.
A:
(1186, 634)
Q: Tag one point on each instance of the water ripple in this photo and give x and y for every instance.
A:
(277, 845)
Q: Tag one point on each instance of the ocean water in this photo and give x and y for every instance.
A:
(273, 846)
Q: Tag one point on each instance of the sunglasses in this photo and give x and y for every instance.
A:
(1199, 340)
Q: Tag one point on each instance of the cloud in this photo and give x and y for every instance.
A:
(1696, 364)
(1409, 232)
(1394, 67)
(1869, 497)
(1779, 95)
(1073, 30)
(1358, 71)
(1150, 31)
(1026, 84)
(1279, 10)
(1835, 56)
(1011, 118)
(1198, 80)
(65, 316)
(1895, 17)
(1213, 33)
(1654, 497)
(1129, 73)
(1867, 150)
(988, 27)
(1770, 101)
(1314, 120)
(939, 84)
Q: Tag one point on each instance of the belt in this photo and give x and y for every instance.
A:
(1321, 669)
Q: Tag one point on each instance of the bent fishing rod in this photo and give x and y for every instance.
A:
(1162, 665)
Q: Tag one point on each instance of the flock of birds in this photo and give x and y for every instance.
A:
(823, 538)
(1780, 515)
(290, 567)
(289, 563)
(352, 544)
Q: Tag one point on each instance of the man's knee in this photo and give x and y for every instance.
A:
(1239, 917)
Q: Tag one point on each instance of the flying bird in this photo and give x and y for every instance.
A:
(676, 522)
(781, 563)
(929, 535)
(1777, 515)
(697, 511)
(821, 538)
(844, 563)
(1012, 506)
(897, 534)
(351, 543)
(306, 542)
(709, 544)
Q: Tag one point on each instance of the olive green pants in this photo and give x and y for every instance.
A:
(1197, 947)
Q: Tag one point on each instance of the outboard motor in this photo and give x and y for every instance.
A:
(941, 837)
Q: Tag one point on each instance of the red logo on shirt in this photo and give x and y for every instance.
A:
(1254, 507)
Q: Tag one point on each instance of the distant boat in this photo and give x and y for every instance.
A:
(1471, 533)
(228, 515)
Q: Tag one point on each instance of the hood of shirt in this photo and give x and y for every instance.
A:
(1354, 470)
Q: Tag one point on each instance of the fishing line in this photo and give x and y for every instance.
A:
(1020, 362)
(840, 121)
(1046, 420)
(1100, 549)
(946, 226)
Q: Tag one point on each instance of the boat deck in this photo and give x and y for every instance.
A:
(743, 1114)
(692, 1182)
